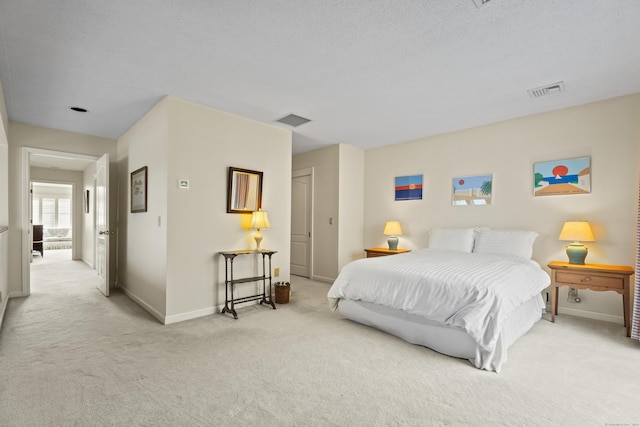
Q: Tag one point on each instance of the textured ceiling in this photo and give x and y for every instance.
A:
(366, 72)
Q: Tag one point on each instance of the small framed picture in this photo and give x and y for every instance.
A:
(562, 177)
(139, 190)
(472, 190)
(86, 201)
(408, 187)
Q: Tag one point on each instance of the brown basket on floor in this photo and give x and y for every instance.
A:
(283, 290)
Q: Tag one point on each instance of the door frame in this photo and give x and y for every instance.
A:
(26, 200)
(310, 172)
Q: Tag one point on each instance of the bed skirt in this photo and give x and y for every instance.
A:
(449, 340)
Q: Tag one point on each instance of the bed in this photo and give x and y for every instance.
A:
(471, 294)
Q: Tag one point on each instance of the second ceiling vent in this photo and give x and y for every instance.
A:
(293, 120)
(546, 90)
(480, 3)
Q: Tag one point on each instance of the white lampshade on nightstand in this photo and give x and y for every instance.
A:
(576, 231)
(392, 229)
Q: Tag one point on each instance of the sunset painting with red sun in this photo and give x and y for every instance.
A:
(562, 177)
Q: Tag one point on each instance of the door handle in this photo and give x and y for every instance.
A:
(103, 232)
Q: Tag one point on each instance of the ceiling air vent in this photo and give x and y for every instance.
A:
(480, 3)
(546, 90)
(293, 120)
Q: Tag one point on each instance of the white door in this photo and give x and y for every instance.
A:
(31, 219)
(301, 194)
(102, 224)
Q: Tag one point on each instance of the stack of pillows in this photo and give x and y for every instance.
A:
(484, 240)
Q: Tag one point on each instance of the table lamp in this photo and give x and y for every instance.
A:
(392, 229)
(259, 219)
(576, 231)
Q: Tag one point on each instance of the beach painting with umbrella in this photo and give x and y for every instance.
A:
(562, 177)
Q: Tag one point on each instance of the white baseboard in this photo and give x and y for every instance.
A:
(322, 279)
(3, 309)
(175, 318)
(5, 302)
(167, 320)
(591, 315)
(155, 313)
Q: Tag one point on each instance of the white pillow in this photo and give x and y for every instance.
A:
(505, 242)
(455, 239)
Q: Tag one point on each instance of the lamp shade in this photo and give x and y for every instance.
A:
(392, 228)
(260, 219)
(576, 231)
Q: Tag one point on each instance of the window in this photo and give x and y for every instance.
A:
(51, 205)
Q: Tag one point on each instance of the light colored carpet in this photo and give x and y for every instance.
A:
(69, 356)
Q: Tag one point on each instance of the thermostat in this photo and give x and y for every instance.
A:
(183, 183)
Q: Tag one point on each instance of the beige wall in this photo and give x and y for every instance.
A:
(142, 237)
(351, 213)
(22, 135)
(176, 272)
(607, 131)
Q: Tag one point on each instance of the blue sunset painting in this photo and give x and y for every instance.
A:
(408, 187)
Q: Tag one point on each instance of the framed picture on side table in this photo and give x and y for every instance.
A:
(139, 190)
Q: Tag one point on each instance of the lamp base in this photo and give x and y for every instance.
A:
(577, 252)
(393, 243)
(258, 237)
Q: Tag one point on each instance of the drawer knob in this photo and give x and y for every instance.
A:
(587, 279)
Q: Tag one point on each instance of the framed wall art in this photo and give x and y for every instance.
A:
(139, 190)
(408, 187)
(86, 201)
(472, 190)
(244, 191)
(562, 177)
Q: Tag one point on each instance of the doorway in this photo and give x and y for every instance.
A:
(302, 222)
(51, 219)
(58, 181)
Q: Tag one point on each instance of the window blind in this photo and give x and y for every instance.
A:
(635, 322)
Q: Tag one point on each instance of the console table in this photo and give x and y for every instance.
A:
(230, 281)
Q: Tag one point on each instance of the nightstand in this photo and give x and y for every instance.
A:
(595, 277)
(375, 252)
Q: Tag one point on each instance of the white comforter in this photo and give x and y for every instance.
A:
(476, 292)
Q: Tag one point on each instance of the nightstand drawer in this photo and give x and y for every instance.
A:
(375, 254)
(590, 280)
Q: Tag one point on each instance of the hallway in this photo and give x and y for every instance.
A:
(56, 275)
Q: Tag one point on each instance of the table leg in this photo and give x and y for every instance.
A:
(626, 305)
(554, 297)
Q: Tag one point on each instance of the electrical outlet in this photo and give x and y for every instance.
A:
(276, 272)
